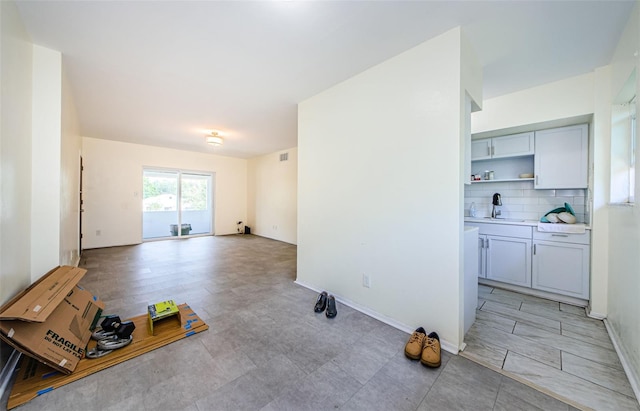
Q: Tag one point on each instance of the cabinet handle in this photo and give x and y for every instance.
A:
(534, 249)
(488, 150)
(536, 179)
(559, 235)
(487, 243)
(493, 150)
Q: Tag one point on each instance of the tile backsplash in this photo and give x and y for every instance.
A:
(520, 200)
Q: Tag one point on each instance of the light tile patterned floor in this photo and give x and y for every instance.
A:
(552, 346)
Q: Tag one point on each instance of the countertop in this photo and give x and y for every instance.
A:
(509, 221)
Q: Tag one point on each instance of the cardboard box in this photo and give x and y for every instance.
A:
(52, 320)
(35, 379)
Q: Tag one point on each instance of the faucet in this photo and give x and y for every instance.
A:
(497, 201)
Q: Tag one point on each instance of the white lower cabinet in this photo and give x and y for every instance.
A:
(521, 255)
(482, 256)
(509, 260)
(504, 253)
(561, 265)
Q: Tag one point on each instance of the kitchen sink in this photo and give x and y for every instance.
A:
(513, 220)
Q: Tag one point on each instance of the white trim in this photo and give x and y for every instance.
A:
(596, 315)
(7, 372)
(632, 374)
(445, 345)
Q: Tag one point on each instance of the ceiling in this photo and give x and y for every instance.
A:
(163, 72)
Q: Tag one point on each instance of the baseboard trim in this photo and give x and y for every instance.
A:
(7, 372)
(632, 374)
(445, 345)
(595, 315)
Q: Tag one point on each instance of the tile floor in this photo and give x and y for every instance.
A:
(267, 350)
(549, 345)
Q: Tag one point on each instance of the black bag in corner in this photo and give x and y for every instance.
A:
(247, 229)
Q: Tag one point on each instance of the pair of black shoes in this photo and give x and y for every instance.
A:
(326, 302)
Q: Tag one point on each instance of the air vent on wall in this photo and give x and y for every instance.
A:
(284, 156)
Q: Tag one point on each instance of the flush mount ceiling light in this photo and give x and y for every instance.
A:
(214, 139)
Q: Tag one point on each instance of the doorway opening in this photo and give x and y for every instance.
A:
(176, 203)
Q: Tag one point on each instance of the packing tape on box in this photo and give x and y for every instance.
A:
(37, 308)
(11, 332)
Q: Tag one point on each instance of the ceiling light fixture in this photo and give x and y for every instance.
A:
(214, 139)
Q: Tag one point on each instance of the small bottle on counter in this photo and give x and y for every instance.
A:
(491, 176)
(472, 210)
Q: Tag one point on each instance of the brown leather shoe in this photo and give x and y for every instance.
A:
(431, 351)
(413, 349)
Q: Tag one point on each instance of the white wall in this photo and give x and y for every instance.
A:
(272, 190)
(69, 179)
(112, 190)
(45, 171)
(599, 178)
(567, 98)
(624, 224)
(380, 188)
(15, 150)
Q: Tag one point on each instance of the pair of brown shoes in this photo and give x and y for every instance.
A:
(423, 347)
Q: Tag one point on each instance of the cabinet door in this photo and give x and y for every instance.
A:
(561, 268)
(481, 149)
(512, 146)
(482, 239)
(509, 260)
(561, 157)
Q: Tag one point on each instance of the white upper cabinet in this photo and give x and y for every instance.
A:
(505, 146)
(481, 149)
(561, 160)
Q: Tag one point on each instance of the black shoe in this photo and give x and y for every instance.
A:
(321, 302)
(332, 311)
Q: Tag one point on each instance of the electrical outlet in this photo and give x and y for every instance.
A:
(366, 281)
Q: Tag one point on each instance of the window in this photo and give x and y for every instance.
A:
(176, 203)
(623, 145)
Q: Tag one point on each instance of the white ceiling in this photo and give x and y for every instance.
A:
(162, 72)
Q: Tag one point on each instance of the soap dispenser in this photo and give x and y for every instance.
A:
(472, 210)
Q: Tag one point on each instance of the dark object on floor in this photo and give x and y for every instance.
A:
(332, 311)
(247, 229)
(184, 229)
(114, 334)
(321, 302)
(431, 351)
(413, 348)
(110, 326)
